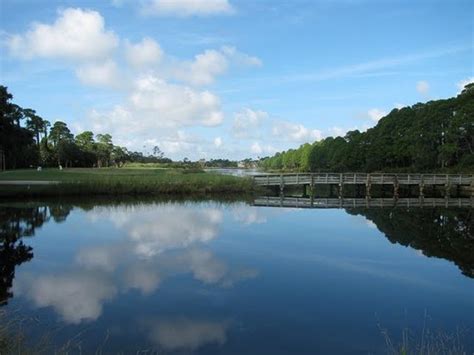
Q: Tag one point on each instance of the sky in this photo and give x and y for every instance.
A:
(227, 78)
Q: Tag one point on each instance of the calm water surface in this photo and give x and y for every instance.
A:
(210, 277)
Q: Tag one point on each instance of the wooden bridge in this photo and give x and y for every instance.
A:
(367, 180)
(305, 202)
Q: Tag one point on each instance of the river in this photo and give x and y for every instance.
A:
(211, 277)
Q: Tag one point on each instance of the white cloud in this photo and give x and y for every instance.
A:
(248, 215)
(218, 142)
(75, 35)
(142, 54)
(142, 277)
(241, 59)
(205, 67)
(153, 233)
(376, 114)
(205, 266)
(99, 258)
(295, 132)
(337, 131)
(75, 296)
(182, 142)
(185, 8)
(210, 64)
(465, 82)
(158, 105)
(423, 87)
(257, 148)
(103, 74)
(247, 121)
(155, 104)
(155, 242)
(186, 334)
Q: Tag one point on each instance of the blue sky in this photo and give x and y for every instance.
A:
(228, 78)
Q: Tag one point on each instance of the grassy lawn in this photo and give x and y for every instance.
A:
(123, 181)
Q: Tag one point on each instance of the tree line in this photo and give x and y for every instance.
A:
(434, 136)
(27, 140)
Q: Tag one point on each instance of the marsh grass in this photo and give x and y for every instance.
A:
(123, 181)
(426, 342)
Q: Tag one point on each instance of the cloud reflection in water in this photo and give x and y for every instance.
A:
(153, 242)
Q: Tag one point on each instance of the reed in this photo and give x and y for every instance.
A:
(122, 182)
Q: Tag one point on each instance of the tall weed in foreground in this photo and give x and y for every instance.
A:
(426, 342)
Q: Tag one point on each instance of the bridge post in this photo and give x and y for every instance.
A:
(396, 186)
(422, 185)
(282, 184)
(447, 187)
(341, 185)
(367, 186)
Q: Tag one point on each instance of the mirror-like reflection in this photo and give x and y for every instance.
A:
(15, 224)
(436, 232)
(206, 277)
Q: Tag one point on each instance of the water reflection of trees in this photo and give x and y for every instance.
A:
(438, 232)
(15, 224)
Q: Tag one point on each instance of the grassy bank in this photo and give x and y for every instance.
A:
(113, 181)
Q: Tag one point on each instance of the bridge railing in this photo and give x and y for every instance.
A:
(362, 178)
(302, 202)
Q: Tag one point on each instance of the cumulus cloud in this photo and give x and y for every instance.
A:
(465, 82)
(376, 114)
(142, 277)
(154, 242)
(247, 121)
(103, 74)
(239, 58)
(248, 216)
(259, 148)
(153, 233)
(337, 131)
(162, 94)
(143, 54)
(295, 132)
(75, 35)
(186, 334)
(205, 266)
(98, 258)
(207, 66)
(75, 296)
(185, 8)
(155, 104)
(423, 87)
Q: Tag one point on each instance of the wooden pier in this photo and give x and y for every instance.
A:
(396, 180)
(305, 202)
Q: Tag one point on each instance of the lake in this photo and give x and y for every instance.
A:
(213, 277)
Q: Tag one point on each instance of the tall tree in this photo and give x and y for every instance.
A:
(62, 140)
(34, 123)
(16, 142)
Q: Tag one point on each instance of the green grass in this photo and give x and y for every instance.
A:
(123, 181)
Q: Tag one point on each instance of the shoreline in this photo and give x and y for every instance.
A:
(119, 182)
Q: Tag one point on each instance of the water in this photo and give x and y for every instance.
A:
(235, 171)
(230, 278)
